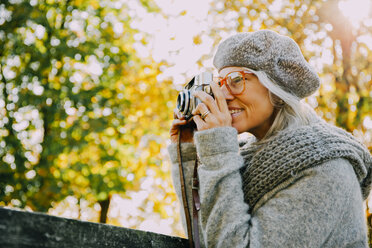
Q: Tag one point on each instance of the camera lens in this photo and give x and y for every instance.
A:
(181, 102)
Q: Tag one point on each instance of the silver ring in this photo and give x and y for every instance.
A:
(205, 114)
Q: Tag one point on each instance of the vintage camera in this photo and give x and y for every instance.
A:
(186, 103)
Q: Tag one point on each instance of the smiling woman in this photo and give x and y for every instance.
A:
(300, 183)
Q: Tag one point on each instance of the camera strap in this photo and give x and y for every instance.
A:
(195, 199)
(196, 204)
(183, 190)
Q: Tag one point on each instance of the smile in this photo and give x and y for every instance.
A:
(235, 111)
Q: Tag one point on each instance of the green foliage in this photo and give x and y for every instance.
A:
(61, 62)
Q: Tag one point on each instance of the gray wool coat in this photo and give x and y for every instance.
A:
(321, 207)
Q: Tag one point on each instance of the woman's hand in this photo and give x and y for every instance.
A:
(218, 115)
(187, 127)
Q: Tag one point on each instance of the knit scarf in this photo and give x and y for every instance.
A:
(294, 150)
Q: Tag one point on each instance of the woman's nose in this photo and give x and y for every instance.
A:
(226, 93)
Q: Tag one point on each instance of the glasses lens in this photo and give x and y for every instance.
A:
(235, 81)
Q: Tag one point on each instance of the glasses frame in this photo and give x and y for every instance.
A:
(223, 81)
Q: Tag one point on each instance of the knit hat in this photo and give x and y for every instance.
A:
(277, 55)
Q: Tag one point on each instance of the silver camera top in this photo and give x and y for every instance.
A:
(203, 78)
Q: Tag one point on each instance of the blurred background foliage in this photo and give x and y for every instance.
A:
(88, 89)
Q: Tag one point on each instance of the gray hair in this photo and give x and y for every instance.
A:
(291, 112)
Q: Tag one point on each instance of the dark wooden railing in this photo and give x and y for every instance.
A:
(20, 229)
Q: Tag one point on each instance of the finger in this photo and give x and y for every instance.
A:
(219, 97)
(208, 101)
(178, 122)
(177, 114)
(202, 109)
(199, 122)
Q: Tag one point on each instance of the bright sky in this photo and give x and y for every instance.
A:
(173, 32)
(355, 10)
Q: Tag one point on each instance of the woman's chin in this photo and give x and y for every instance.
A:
(238, 127)
(238, 122)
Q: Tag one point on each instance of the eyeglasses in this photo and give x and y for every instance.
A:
(235, 82)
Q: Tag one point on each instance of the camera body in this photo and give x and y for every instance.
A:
(186, 102)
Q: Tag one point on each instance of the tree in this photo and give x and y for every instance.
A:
(61, 101)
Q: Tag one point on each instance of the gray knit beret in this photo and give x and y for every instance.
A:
(277, 55)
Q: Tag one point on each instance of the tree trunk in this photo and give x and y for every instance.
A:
(104, 209)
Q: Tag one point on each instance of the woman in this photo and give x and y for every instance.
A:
(300, 183)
